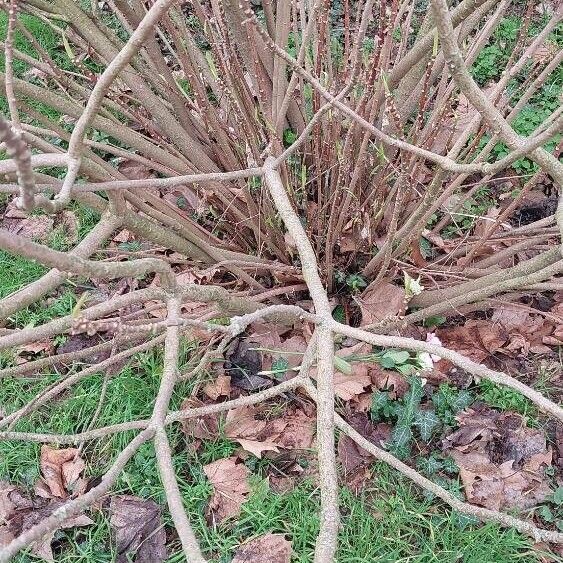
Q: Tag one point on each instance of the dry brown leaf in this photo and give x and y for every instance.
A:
(230, 488)
(353, 458)
(19, 513)
(137, 528)
(61, 469)
(348, 387)
(476, 339)
(36, 347)
(200, 428)
(221, 387)
(134, 170)
(295, 430)
(269, 548)
(242, 426)
(292, 349)
(502, 462)
(381, 301)
(256, 447)
(391, 381)
(241, 422)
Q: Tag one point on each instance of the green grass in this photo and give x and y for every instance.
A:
(18, 272)
(390, 522)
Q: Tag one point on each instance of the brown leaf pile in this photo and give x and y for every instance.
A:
(511, 331)
(19, 512)
(502, 462)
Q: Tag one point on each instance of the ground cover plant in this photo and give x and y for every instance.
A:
(281, 281)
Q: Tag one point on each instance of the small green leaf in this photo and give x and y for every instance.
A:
(450, 466)
(412, 287)
(342, 365)
(338, 314)
(546, 514)
(279, 367)
(429, 465)
(558, 496)
(461, 400)
(397, 356)
(379, 400)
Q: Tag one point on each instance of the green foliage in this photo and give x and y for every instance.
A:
(289, 137)
(431, 322)
(407, 414)
(448, 401)
(338, 314)
(435, 463)
(472, 208)
(552, 512)
(506, 399)
(355, 282)
(489, 63)
(493, 58)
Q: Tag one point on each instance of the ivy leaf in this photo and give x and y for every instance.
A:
(379, 400)
(450, 466)
(546, 514)
(461, 400)
(412, 399)
(429, 465)
(426, 421)
(558, 496)
(401, 436)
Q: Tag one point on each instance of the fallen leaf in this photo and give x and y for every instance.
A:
(221, 387)
(269, 548)
(502, 462)
(78, 342)
(242, 426)
(476, 339)
(297, 430)
(392, 381)
(61, 469)
(202, 427)
(34, 226)
(36, 347)
(353, 458)
(381, 301)
(230, 488)
(137, 527)
(256, 447)
(243, 363)
(348, 387)
(19, 513)
(134, 170)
